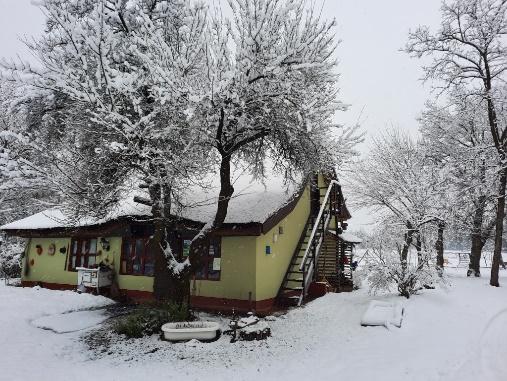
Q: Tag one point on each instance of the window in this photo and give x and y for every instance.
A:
(211, 262)
(137, 258)
(83, 253)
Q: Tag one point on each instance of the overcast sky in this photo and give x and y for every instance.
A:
(380, 82)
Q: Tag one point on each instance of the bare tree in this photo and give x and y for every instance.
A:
(470, 50)
(399, 181)
(270, 92)
(98, 58)
(456, 134)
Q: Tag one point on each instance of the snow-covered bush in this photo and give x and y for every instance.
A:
(11, 251)
(387, 271)
(148, 319)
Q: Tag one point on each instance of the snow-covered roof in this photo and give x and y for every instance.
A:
(253, 201)
(347, 237)
(48, 219)
(350, 238)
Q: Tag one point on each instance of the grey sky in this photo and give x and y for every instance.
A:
(380, 82)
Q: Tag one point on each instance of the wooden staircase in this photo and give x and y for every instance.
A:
(293, 281)
(303, 266)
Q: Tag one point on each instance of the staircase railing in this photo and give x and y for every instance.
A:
(311, 255)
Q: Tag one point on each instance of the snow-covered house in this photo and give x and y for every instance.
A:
(275, 243)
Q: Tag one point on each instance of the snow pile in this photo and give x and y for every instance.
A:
(383, 313)
(71, 322)
(452, 334)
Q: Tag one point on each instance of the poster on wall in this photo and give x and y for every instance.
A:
(216, 264)
(186, 247)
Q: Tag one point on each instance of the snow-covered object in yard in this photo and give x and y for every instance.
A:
(199, 330)
(245, 322)
(259, 331)
(71, 322)
(383, 313)
(260, 326)
(253, 201)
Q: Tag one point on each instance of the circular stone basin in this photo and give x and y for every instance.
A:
(199, 330)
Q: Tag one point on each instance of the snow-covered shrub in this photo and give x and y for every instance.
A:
(386, 271)
(11, 252)
(148, 319)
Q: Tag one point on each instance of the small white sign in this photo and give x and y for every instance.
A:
(216, 264)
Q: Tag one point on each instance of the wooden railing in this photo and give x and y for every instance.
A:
(313, 247)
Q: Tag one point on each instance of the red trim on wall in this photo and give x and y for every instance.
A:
(50, 286)
(137, 295)
(261, 307)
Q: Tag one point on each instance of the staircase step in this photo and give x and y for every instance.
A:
(293, 288)
(295, 280)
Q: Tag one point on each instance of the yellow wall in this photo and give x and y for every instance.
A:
(246, 270)
(271, 268)
(47, 268)
(52, 269)
(237, 277)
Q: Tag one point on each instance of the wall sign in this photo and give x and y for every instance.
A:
(186, 247)
(216, 264)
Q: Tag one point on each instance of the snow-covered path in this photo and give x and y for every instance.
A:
(453, 334)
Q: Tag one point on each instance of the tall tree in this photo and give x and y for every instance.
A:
(456, 134)
(399, 181)
(470, 50)
(168, 89)
(270, 91)
(124, 120)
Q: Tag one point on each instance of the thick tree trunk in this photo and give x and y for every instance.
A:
(161, 276)
(439, 245)
(475, 256)
(418, 247)
(500, 215)
(406, 245)
(167, 286)
(404, 284)
(200, 242)
(477, 244)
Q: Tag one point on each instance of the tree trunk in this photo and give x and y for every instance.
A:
(226, 191)
(167, 286)
(477, 244)
(439, 245)
(406, 245)
(474, 268)
(161, 276)
(200, 242)
(418, 247)
(500, 215)
(404, 284)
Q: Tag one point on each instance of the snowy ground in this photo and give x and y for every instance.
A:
(459, 333)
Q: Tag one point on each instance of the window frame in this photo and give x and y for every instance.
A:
(132, 242)
(209, 259)
(82, 259)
